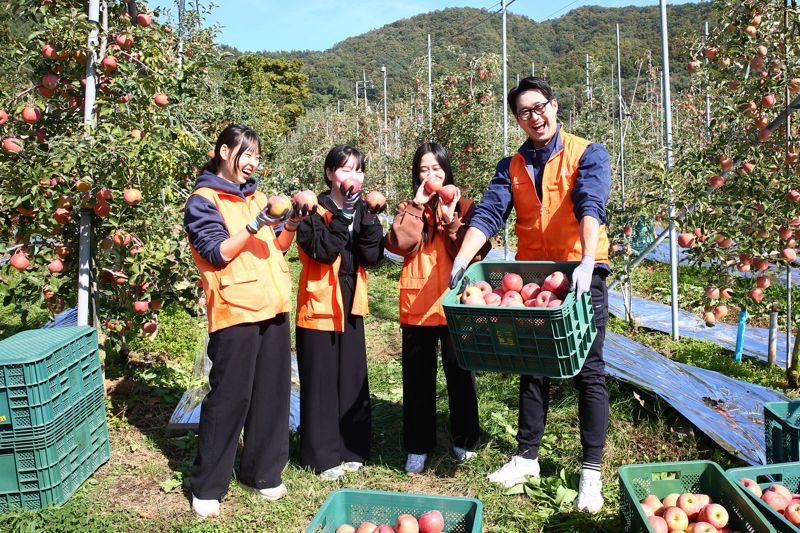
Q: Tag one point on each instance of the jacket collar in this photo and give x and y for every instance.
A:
(212, 181)
(535, 155)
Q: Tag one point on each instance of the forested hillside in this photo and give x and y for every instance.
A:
(557, 46)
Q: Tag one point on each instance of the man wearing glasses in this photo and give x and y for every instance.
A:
(558, 184)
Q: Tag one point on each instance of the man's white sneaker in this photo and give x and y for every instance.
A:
(273, 493)
(352, 466)
(590, 495)
(514, 472)
(205, 508)
(332, 474)
(462, 454)
(415, 462)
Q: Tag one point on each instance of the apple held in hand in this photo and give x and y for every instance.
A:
(433, 185)
(305, 197)
(512, 282)
(557, 283)
(278, 205)
(447, 193)
(351, 183)
(375, 200)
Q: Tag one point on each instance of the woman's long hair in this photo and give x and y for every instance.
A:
(233, 136)
(440, 153)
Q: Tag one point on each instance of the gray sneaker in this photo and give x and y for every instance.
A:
(332, 474)
(415, 462)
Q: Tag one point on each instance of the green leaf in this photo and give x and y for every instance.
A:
(174, 482)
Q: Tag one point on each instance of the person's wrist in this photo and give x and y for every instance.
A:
(253, 226)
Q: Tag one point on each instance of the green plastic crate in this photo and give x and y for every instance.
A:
(461, 515)
(44, 373)
(48, 470)
(541, 341)
(787, 474)
(782, 431)
(703, 477)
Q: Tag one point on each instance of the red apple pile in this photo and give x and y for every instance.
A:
(428, 522)
(513, 292)
(685, 512)
(778, 497)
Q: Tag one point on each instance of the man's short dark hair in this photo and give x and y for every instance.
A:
(531, 83)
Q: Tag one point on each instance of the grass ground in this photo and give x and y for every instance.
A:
(142, 487)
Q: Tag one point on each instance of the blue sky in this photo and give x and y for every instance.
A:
(254, 25)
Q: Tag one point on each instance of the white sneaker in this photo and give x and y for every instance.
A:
(273, 493)
(514, 472)
(415, 462)
(205, 508)
(590, 496)
(352, 466)
(462, 454)
(332, 474)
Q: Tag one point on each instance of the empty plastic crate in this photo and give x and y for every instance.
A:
(782, 431)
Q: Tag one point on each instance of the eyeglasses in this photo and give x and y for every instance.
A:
(538, 109)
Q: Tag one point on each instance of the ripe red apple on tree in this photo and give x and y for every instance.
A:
(431, 522)
(716, 181)
(161, 99)
(12, 145)
(721, 311)
(143, 19)
(762, 282)
(685, 240)
(109, 64)
(789, 254)
(124, 40)
(19, 261)
(49, 81)
(137, 134)
(756, 294)
(132, 196)
(710, 318)
(101, 209)
(693, 66)
(55, 266)
(31, 114)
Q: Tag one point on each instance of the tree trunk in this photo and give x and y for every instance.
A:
(793, 372)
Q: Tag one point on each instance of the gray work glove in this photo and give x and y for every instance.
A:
(351, 199)
(582, 275)
(265, 219)
(457, 272)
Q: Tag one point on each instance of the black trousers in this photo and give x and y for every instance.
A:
(335, 410)
(250, 383)
(534, 393)
(420, 365)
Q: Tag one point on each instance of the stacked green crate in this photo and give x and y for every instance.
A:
(53, 432)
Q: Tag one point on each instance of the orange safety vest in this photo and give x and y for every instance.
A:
(319, 297)
(256, 284)
(548, 230)
(423, 282)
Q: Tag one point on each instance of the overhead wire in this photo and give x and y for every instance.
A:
(483, 20)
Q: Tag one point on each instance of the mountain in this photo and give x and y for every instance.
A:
(559, 45)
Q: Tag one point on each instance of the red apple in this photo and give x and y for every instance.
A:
(19, 261)
(689, 504)
(143, 19)
(710, 52)
(345, 528)
(543, 298)
(471, 290)
(658, 524)
(768, 100)
(529, 291)
(775, 500)
(670, 500)
(654, 503)
(124, 40)
(137, 134)
(132, 196)
(627, 231)
(55, 266)
(512, 282)
(383, 528)
(141, 306)
(557, 283)
(492, 299)
(721, 311)
(716, 181)
(109, 63)
(789, 254)
(49, 81)
(794, 195)
(350, 182)
(161, 99)
(374, 199)
(49, 51)
(685, 240)
(101, 209)
(780, 489)
(712, 292)
(448, 193)
(433, 184)
(762, 282)
(710, 318)
(647, 510)
(278, 205)
(431, 522)
(792, 512)
(12, 145)
(31, 114)
(764, 134)
(3, 117)
(676, 518)
(475, 299)
(715, 514)
(756, 294)
(701, 527)
(555, 303)
(693, 66)
(149, 327)
(406, 523)
(483, 286)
